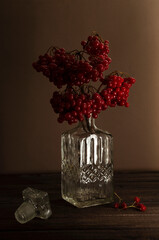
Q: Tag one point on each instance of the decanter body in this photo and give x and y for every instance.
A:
(87, 167)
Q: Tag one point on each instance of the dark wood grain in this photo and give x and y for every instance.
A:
(69, 222)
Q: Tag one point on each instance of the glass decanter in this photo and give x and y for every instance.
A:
(87, 167)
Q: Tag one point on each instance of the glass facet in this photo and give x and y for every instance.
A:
(87, 167)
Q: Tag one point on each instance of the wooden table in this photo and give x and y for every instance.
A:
(69, 222)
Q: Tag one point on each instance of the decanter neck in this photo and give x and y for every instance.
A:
(88, 124)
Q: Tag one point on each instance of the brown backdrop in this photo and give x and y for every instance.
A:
(30, 134)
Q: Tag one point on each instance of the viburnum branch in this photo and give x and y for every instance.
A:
(120, 199)
(93, 88)
(123, 205)
(74, 70)
(98, 90)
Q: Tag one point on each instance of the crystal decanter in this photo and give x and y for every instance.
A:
(87, 167)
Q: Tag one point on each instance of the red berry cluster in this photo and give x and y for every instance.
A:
(117, 90)
(98, 51)
(71, 68)
(76, 69)
(136, 204)
(74, 107)
(95, 46)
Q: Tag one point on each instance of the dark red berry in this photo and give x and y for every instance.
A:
(141, 207)
(137, 199)
(116, 205)
(126, 104)
(124, 205)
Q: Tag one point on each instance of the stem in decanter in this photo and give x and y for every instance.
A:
(88, 124)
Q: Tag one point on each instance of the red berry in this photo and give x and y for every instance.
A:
(78, 109)
(121, 103)
(94, 115)
(124, 205)
(90, 38)
(79, 102)
(104, 106)
(70, 96)
(141, 207)
(126, 104)
(84, 111)
(73, 103)
(116, 205)
(137, 199)
(84, 105)
(68, 116)
(96, 96)
(101, 45)
(83, 43)
(74, 114)
(132, 80)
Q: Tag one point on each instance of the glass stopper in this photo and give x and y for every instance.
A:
(36, 204)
